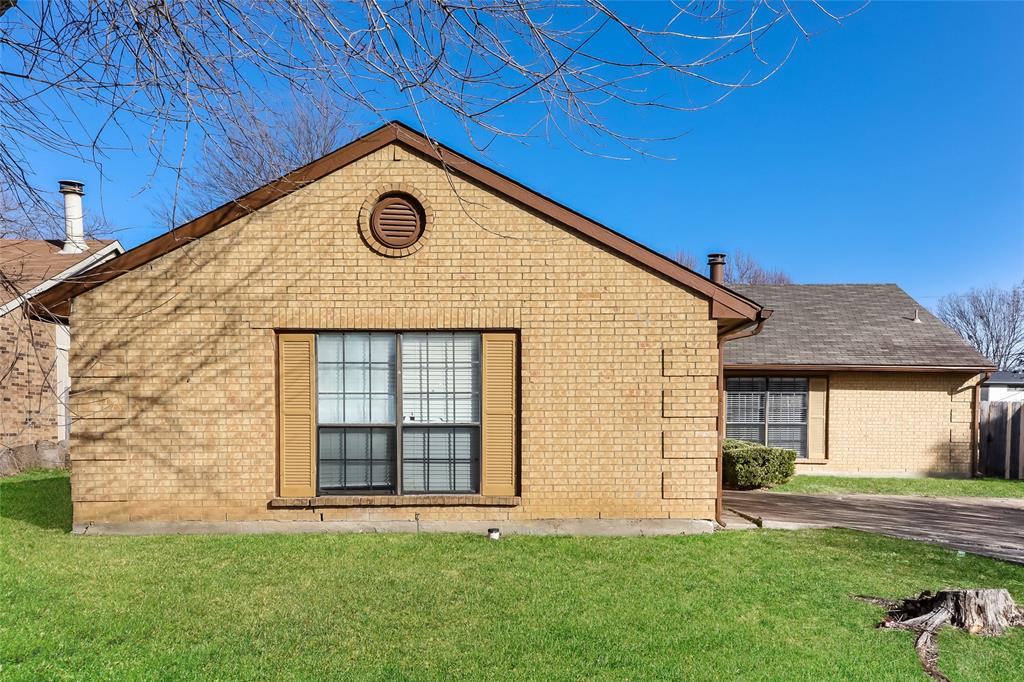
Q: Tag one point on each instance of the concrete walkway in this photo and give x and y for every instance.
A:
(987, 526)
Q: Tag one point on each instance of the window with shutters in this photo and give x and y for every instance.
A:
(768, 410)
(399, 413)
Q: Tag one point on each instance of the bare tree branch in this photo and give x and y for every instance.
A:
(991, 320)
(83, 78)
(253, 149)
(740, 268)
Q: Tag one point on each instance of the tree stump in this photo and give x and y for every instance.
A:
(979, 612)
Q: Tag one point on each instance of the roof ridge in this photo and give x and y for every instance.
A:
(727, 304)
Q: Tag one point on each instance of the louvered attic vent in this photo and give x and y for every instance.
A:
(397, 221)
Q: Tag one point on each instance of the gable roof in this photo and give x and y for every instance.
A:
(726, 304)
(857, 326)
(29, 267)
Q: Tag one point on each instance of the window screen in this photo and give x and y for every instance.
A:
(772, 411)
(356, 405)
(440, 412)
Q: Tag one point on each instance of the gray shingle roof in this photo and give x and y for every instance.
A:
(848, 324)
(1006, 379)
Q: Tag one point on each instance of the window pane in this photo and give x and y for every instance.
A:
(441, 378)
(787, 401)
(751, 432)
(357, 409)
(329, 378)
(382, 349)
(358, 459)
(789, 436)
(357, 347)
(330, 409)
(328, 347)
(355, 378)
(330, 444)
(787, 414)
(745, 400)
(382, 379)
(440, 460)
(382, 409)
(356, 375)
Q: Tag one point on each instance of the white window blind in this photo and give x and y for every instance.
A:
(745, 408)
(441, 378)
(770, 410)
(365, 444)
(787, 414)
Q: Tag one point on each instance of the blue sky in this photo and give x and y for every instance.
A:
(890, 149)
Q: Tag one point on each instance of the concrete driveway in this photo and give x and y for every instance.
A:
(988, 526)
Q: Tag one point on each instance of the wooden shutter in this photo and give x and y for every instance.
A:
(498, 419)
(296, 395)
(817, 411)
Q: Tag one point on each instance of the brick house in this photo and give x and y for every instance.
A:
(858, 379)
(396, 332)
(34, 378)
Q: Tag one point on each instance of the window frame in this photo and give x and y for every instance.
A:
(766, 425)
(397, 426)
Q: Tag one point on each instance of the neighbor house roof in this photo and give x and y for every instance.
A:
(29, 267)
(862, 326)
(725, 304)
(1005, 379)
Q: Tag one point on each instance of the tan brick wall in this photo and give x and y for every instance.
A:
(903, 423)
(28, 400)
(181, 356)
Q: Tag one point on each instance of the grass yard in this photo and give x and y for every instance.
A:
(930, 487)
(739, 605)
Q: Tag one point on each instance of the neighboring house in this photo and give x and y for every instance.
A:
(395, 332)
(1003, 387)
(34, 354)
(858, 379)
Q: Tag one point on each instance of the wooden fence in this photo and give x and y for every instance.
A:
(1002, 439)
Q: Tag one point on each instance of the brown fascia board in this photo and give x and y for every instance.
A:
(725, 304)
(854, 368)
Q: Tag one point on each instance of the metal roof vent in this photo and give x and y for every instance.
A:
(917, 317)
(74, 225)
(397, 221)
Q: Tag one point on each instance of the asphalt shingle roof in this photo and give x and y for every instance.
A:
(27, 263)
(848, 324)
(1006, 379)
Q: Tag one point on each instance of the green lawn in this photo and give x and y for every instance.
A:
(738, 605)
(931, 487)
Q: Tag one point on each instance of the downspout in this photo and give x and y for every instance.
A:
(723, 337)
(976, 425)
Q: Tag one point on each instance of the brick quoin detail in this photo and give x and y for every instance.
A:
(191, 432)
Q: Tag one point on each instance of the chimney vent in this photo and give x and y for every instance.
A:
(717, 263)
(74, 222)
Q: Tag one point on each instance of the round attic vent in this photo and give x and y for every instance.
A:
(397, 221)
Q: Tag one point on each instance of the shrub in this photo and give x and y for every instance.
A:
(752, 465)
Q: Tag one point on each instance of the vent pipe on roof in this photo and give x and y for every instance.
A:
(717, 263)
(74, 221)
